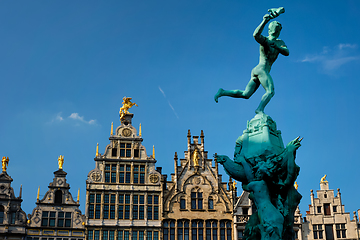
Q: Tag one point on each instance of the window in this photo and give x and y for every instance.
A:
(124, 206)
(196, 200)
(105, 235)
(111, 235)
(90, 235)
(225, 230)
(12, 218)
(114, 152)
(136, 153)
(318, 231)
(153, 207)
(334, 209)
(340, 230)
(169, 230)
(96, 235)
(125, 150)
(48, 219)
(183, 230)
(150, 234)
(137, 235)
(109, 206)
(211, 203)
(124, 173)
(245, 211)
(211, 230)
(1, 214)
(138, 206)
(319, 209)
(123, 235)
(182, 203)
(58, 197)
(110, 173)
(240, 234)
(64, 219)
(139, 174)
(197, 230)
(327, 209)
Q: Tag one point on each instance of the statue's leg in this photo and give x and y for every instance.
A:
(292, 201)
(271, 219)
(251, 87)
(268, 84)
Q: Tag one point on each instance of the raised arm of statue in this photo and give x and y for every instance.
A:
(257, 33)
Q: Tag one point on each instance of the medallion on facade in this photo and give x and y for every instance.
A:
(154, 178)
(126, 132)
(96, 176)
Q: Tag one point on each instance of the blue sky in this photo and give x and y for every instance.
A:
(66, 65)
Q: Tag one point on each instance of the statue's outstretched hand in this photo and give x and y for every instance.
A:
(220, 158)
(294, 144)
(275, 12)
(267, 18)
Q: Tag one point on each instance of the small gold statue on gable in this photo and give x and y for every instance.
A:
(127, 104)
(5, 163)
(323, 179)
(61, 161)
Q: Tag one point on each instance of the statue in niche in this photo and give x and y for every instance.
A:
(270, 47)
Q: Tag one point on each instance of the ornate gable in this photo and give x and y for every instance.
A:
(196, 189)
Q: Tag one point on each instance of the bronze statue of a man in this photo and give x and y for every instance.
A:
(270, 47)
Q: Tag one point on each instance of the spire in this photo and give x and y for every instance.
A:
(112, 129)
(38, 194)
(140, 130)
(20, 191)
(78, 196)
(97, 150)
(153, 155)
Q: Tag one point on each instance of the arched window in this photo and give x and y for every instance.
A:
(211, 230)
(211, 203)
(183, 229)
(225, 230)
(1, 214)
(197, 230)
(58, 197)
(196, 199)
(169, 230)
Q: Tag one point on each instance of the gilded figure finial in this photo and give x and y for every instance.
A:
(153, 155)
(61, 161)
(234, 185)
(296, 185)
(5, 163)
(78, 196)
(112, 129)
(140, 130)
(196, 157)
(323, 179)
(97, 150)
(127, 104)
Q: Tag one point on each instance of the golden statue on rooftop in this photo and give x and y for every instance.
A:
(196, 157)
(5, 163)
(61, 162)
(127, 104)
(323, 179)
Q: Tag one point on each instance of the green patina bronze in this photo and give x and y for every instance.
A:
(270, 47)
(266, 169)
